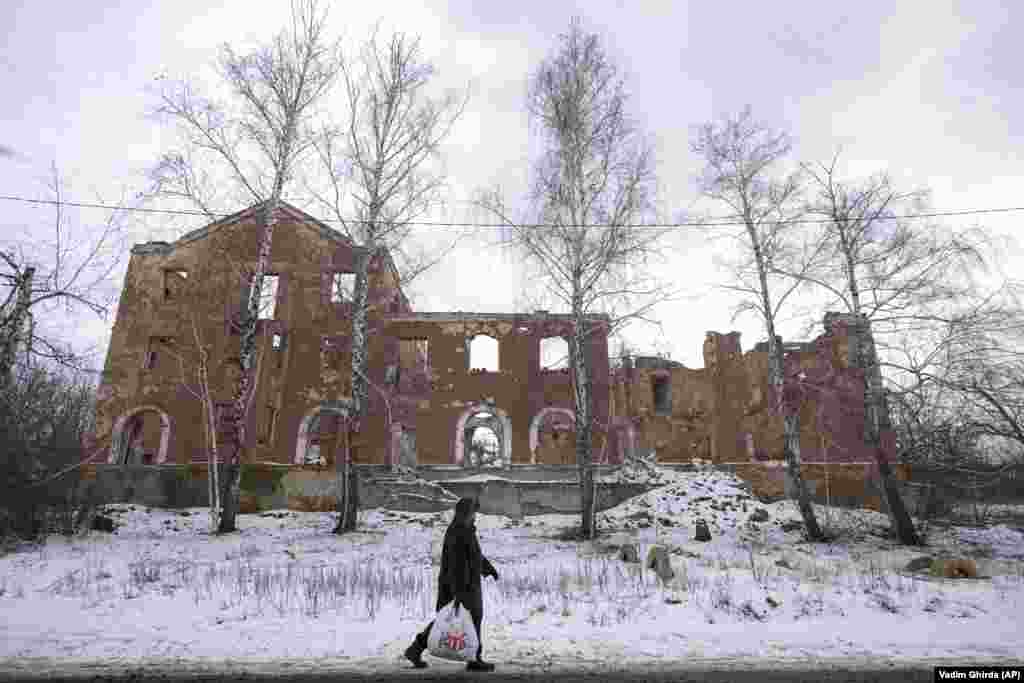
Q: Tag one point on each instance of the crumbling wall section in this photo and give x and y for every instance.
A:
(437, 399)
(425, 398)
(199, 284)
(723, 412)
(678, 429)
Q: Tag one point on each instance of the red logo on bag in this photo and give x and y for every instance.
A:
(456, 641)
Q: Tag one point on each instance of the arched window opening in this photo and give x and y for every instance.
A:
(142, 438)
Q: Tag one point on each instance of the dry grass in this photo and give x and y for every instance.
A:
(599, 589)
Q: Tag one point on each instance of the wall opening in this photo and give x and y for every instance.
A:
(323, 432)
(414, 354)
(553, 437)
(407, 455)
(483, 353)
(483, 437)
(141, 437)
(343, 287)
(554, 353)
(661, 391)
(157, 352)
(484, 447)
(330, 353)
(278, 342)
(174, 283)
(268, 426)
(268, 296)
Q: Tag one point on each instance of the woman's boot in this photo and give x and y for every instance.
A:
(414, 653)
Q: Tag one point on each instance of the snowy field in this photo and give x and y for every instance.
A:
(162, 588)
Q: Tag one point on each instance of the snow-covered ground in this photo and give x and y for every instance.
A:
(285, 587)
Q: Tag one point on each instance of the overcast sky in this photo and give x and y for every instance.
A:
(930, 91)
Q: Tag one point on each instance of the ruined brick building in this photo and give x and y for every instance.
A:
(428, 399)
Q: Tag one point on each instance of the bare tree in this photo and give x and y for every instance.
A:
(44, 414)
(741, 158)
(39, 277)
(376, 176)
(593, 184)
(255, 141)
(194, 362)
(973, 371)
(958, 405)
(885, 272)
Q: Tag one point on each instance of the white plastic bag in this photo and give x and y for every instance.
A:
(453, 635)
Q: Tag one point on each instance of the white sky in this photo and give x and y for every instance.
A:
(930, 91)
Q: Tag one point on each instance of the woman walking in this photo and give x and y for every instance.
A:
(462, 565)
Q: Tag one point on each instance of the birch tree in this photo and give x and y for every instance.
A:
(46, 274)
(742, 160)
(377, 175)
(884, 271)
(194, 365)
(254, 140)
(593, 184)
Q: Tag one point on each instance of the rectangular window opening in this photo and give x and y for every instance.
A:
(269, 423)
(343, 287)
(413, 354)
(268, 296)
(330, 352)
(174, 283)
(278, 343)
(662, 395)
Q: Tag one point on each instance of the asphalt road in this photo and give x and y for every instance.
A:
(310, 671)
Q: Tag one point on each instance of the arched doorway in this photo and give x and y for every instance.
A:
(141, 436)
(623, 441)
(319, 431)
(483, 445)
(402, 450)
(551, 436)
(483, 437)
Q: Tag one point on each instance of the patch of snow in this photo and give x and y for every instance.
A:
(164, 589)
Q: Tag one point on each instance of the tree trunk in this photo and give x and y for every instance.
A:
(877, 419)
(10, 334)
(360, 391)
(212, 457)
(791, 440)
(790, 416)
(231, 485)
(347, 484)
(584, 445)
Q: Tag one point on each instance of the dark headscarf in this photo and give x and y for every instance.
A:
(463, 508)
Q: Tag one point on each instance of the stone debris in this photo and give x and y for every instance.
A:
(629, 553)
(657, 559)
(960, 568)
(760, 515)
(103, 523)
(919, 564)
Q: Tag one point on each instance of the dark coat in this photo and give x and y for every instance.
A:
(462, 562)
